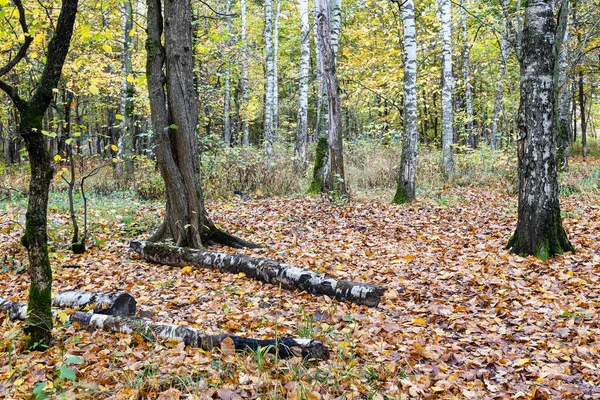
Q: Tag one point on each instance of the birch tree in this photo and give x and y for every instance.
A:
(467, 76)
(562, 88)
(302, 131)
(245, 112)
(539, 229)
(269, 82)
(499, 83)
(447, 85)
(275, 88)
(227, 83)
(405, 190)
(124, 163)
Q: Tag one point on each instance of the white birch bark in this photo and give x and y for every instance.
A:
(270, 71)
(467, 77)
(245, 115)
(562, 87)
(275, 87)
(227, 94)
(320, 128)
(447, 85)
(499, 84)
(408, 163)
(302, 131)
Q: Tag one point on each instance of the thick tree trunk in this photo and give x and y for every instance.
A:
(284, 347)
(336, 182)
(173, 104)
(539, 229)
(447, 86)
(302, 131)
(405, 190)
(124, 164)
(262, 269)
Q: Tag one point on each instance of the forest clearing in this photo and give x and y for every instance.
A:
(266, 199)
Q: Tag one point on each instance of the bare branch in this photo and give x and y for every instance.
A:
(24, 47)
(12, 92)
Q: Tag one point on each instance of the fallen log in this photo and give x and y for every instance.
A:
(114, 303)
(284, 347)
(262, 269)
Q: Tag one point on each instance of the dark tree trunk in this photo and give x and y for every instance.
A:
(582, 115)
(35, 238)
(174, 110)
(539, 227)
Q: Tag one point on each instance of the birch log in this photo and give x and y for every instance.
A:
(262, 269)
(285, 347)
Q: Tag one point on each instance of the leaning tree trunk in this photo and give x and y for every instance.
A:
(336, 180)
(405, 190)
(447, 112)
(539, 227)
(173, 106)
(302, 131)
(35, 238)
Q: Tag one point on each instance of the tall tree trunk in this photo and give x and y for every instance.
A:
(447, 86)
(582, 115)
(173, 106)
(539, 229)
(124, 164)
(336, 179)
(227, 95)
(470, 136)
(405, 190)
(269, 83)
(245, 112)
(302, 131)
(35, 238)
(321, 118)
(499, 85)
(275, 88)
(562, 87)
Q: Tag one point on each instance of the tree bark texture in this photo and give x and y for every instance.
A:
(35, 238)
(173, 105)
(124, 165)
(499, 85)
(582, 115)
(269, 83)
(447, 86)
(336, 182)
(227, 94)
(302, 131)
(285, 347)
(539, 229)
(562, 88)
(244, 78)
(275, 88)
(262, 269)
(470, 136)
(405, 191)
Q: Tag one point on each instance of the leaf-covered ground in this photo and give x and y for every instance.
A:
(462, 318)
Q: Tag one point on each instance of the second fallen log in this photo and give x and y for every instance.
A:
(262, 269)
(113, 303)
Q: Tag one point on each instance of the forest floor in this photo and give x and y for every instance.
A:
(462, 318)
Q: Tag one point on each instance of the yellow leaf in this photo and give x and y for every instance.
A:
(114, 148)
(93, 89)
(106, 48)
(130, 78)
(132, 32)
(62, 316)
(57, 158)
(408, 258)
(19, 382)
(187, 269)
(338, 267)
(521, 361)
(419, 321)
(227, 346)
(242, 274)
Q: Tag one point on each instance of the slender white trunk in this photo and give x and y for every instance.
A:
(302, 132)
(227, 94)
(447, 112)
(270, 78)
(336, 20)
(275, 87)
(320, 128)
(245, 115)
(408, 163)
(467, 76)
(499, 84)
(562, 88)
